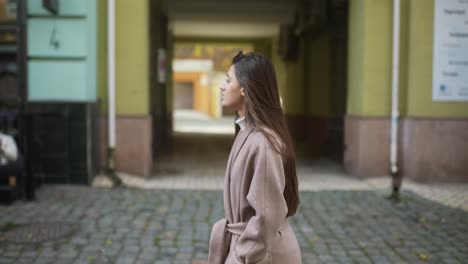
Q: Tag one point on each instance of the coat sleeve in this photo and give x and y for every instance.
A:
(265, 195)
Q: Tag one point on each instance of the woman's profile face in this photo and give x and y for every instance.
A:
(231, 92)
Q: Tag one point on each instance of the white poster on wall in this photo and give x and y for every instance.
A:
(450, 64)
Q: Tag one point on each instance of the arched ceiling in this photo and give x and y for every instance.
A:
(229, 18)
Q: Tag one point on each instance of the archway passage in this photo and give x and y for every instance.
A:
(310, 60)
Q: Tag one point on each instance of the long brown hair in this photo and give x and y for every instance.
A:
(263, 112)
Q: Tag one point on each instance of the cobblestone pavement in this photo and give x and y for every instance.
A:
(168, 218)
(128, 225)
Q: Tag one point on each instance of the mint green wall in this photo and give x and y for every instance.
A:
(66, 7)
(69, 86)
(64, 71)
(420, 104)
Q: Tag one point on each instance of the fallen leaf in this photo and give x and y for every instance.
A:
(423, 256)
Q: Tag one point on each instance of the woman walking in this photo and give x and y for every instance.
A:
(261, 189)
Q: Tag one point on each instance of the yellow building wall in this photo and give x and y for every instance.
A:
(290, 76)
(403, 59)
(420, 104)
(317, 75)
(356, 58)
(132, 56)
(369, 58)
(132, 61)
(263, 46)
(369, 61)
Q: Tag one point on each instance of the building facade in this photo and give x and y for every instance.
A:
(334, 78)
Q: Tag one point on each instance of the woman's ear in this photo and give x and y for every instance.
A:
(242, 92)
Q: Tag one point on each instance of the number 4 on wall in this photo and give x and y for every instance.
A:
(53, 40)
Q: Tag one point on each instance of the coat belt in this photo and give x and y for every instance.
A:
(221, 238)
(219, 242)
(236, 228)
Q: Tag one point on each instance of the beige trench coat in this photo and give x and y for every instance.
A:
(255, 228)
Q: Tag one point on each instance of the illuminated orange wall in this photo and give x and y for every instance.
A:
(201, 95)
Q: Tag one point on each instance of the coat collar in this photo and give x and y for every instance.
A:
(243, 135)
(241, 122)
(237, 146)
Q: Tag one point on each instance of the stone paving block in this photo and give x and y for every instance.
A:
(130, 249)
(5, 260)
(184, 262)
(11, 254)
(24, 260)
(111, 253)
(44, 260)
(68, 260)
(144, 261)
(125, 260)
(71, 253)
(163, 261)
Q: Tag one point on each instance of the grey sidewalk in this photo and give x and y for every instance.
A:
(172, 226)
(313, 176)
